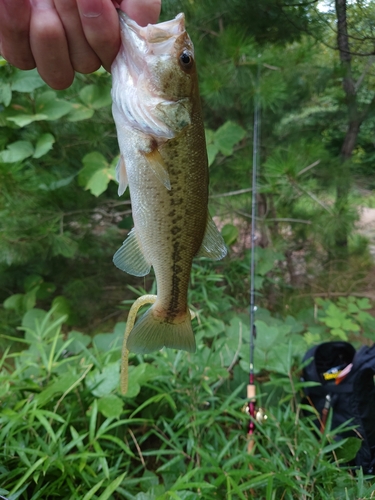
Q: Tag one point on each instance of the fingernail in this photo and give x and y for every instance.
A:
(91, 8)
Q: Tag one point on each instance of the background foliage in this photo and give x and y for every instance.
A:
(65, 432)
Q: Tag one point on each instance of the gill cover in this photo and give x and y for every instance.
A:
(150, 91)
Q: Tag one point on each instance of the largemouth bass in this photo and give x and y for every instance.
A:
(157, 111)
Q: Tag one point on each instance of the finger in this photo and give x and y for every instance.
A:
(101, 28)
(49, 45)
(14, 33)
(143, 12)
(82, 56)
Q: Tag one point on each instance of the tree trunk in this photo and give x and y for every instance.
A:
(354, 124)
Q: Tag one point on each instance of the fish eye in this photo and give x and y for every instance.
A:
(186, 59)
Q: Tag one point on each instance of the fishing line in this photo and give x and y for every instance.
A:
(251, 392)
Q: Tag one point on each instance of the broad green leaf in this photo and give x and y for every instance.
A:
(338, 332)
(227, 136)
(98, 183)
(14, 302)
(59, 386)
(332, 322)
(258, 282)
(275, 348)
(149, 480)
(80, 340)
(106, 341)
(352, 308)
(110, 406)
(61, 306)
(119, 329)
(212, 147)
(266, 259)
(29, 299)
(63, 245)
(17, 151)
(210, 135)
(92, 162)
(48, 104)
(104, 382)
(32, 317)
(349, 449)
(349, 325)
(213, 328)
(5, 93)
(79, 112)
(26, 81)
(334, 311)
(212, 151)
(144, 496)
(114, 162)
(142, 373)
(95, 160)
(364, 303)
(23, 119)
(43, 145)
(312, 338)
(95, 97)
(133, 388)
(230, 234)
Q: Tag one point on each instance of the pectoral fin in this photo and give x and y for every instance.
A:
(129, 257)
(213, 245)
(156, 162)
(121, 176)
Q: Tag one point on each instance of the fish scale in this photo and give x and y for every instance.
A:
(157, 111)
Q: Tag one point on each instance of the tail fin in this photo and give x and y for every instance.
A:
(152, 333)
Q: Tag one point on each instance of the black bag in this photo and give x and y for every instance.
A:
(347, 386)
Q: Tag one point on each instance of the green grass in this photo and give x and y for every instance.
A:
(179, 433)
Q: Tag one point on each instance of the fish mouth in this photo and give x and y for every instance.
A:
(154, 39)
(144, 66)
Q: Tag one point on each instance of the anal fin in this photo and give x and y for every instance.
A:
(213, 245)
(129, 257)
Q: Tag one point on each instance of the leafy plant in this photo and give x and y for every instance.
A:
(347, 318)
(223, 140)
(179, 432)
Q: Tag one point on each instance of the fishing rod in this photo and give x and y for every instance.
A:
(251, 389)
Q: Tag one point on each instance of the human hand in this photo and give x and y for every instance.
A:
(59, 37)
